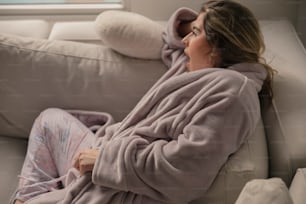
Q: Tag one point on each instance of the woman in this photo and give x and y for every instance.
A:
(171, 146)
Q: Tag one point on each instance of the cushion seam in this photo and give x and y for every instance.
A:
(54, 53)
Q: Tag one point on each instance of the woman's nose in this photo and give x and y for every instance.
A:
(185, 40)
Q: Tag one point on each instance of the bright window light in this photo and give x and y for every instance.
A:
(16, 2)
(60, 7)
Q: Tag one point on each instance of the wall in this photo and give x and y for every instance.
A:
(263, 9)
(161, 9)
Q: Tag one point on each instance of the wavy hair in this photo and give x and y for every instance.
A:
(234, 33)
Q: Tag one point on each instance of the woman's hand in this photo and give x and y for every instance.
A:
(85, 160)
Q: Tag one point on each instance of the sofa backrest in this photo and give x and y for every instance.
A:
(38, 74)
(285, 120)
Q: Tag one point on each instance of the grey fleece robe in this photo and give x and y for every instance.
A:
(171, 146)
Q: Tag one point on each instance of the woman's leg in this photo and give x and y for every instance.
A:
(55, 139)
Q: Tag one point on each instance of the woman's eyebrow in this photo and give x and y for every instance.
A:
(196, 28)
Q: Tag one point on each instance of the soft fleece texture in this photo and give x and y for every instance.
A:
(171, 146)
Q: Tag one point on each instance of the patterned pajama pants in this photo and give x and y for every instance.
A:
(55, 139)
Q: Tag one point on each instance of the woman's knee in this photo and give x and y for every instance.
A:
(50, 118)
(52, 111)
(51, 115)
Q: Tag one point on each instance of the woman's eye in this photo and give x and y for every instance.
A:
(194, 33)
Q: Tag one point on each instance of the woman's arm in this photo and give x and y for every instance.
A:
(178, 26)
(180, 170)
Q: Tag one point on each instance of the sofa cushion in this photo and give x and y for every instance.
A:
(26, 28)
(12, 153)
(37, 74)
(83, 31)
(130, 34)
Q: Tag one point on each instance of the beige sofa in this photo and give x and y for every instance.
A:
(81, 73)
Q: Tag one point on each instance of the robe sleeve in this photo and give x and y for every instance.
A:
(181, 170)
(173, 47)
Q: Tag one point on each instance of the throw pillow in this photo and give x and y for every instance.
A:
(265, 191)
(130, 34)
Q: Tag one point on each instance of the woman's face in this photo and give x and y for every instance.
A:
(197, 48)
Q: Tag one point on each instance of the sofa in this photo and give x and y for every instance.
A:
(73, 65)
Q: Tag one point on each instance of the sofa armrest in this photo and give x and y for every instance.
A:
(265, 191)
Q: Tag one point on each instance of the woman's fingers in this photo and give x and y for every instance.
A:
(85, 160)
(76, 163)
(86, 168)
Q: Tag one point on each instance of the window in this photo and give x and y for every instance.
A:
(15, 2)
(55, 7)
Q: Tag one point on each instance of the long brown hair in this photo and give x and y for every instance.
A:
(234, 32)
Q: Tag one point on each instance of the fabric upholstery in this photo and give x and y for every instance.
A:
(285, 120)
(37, 74)
(130, 34)
(27, 28)
(298, 186)
(269, 191)
(13, 152)
(75, 31)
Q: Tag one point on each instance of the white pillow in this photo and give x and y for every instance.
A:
(130, 34)
(80, 31)
(265, 191)
(298, 186)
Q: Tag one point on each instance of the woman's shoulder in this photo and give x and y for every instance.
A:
(226, 76)
(232, 81)
(244, 74)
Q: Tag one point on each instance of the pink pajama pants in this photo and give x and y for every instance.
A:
(55, 139)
